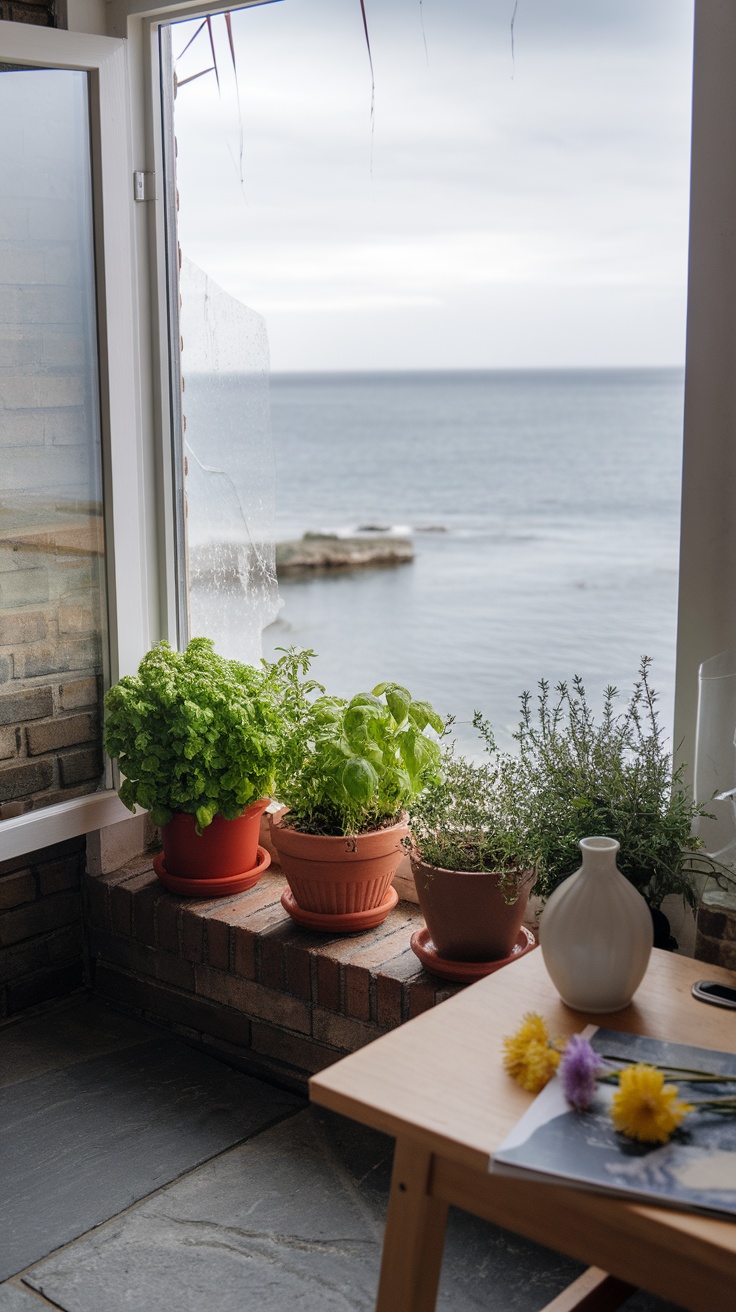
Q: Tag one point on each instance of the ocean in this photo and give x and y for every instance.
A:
(544, 512)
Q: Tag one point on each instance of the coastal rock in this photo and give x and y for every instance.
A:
(324, 553)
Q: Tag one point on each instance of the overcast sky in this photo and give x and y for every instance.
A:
(503, 212)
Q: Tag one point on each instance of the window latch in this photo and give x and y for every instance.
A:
(144, 186)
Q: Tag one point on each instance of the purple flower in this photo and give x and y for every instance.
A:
(578, 1069)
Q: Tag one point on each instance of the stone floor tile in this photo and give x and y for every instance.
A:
(81, 1143)
(63, 1037)
(14, 1298)
(294, 1215)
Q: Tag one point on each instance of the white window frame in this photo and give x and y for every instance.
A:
(127, 564)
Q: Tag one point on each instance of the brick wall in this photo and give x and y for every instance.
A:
(41, 937)
(237, 977)
(42, 13)
(51, 528)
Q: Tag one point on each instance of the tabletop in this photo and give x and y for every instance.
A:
(440, 1078)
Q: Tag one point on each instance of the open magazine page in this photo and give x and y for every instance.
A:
(696, 1170)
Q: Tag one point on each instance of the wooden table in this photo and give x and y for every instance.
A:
(437, 1085)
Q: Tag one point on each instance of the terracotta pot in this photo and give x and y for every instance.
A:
(466, 915)
(337, 876)
(225, 847)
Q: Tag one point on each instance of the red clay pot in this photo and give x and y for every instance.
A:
(224, 848)
(465, 912)
(336, 876)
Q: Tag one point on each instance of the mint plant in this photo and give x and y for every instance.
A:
(348, 766)
(193, 732)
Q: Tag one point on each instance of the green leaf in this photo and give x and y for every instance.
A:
(398, 701)
(360, 779)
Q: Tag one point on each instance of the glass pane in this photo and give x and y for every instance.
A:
(229, 468)
(476, 304)
(52, 610)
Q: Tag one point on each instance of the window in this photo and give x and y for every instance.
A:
(70, 561)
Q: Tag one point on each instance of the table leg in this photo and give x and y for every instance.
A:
(415, 1235)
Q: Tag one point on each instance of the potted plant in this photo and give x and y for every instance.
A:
(472, 856)
(347, 772)
(611, 777)
(196, 737)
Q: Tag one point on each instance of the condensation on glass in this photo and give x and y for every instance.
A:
(229, 468)
(52, 607)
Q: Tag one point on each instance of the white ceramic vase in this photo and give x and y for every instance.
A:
(596, 933)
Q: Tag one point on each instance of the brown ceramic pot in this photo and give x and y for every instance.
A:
(466, 915)
(224, 848)
(336, 876)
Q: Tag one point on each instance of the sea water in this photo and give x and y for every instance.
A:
(544, 513)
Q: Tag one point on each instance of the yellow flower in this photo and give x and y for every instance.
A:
(644, 1107)
(528, 1055)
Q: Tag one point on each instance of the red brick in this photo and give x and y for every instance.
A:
(420, 997)
(55, 876)
(447, 991)
(16, 889)
(80, 765)
(218, 923)
(298, 965)
(167, 922)
(21, 780)
(357, 970)
(191, 928)
(328, 982)
(98, 889)
(217, 942)
(23, 959)
(97, 895)
(39, 917)
(717, 922)
(151, 962)
(292, 1049)
(78, 693)
(28, 627)
(253, 999)
(245, 937)
(391, 982)
(16, 708)
(43, 987)
(244, 953)
(168, 1005)
(66, 945)
(340, 1032)
(272, 944)
(61, 732)
(144, 911)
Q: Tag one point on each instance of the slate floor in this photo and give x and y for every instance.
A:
(138, 1175)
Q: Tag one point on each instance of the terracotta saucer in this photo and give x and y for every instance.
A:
(348, 922)
(466, 972)
(211, 887)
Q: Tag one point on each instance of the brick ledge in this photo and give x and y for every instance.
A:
(237, 977)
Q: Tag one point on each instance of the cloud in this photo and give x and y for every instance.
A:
(567, 168)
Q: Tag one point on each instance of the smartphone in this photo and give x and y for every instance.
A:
(720, 995)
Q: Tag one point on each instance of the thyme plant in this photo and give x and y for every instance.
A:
(476, 817)
(614, 777)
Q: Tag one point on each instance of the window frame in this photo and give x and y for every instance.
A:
(127, 569)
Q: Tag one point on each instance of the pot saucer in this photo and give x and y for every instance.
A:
(466, 972)
(347, 922)
(211, 887)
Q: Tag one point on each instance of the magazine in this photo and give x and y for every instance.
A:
(695, 1170)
